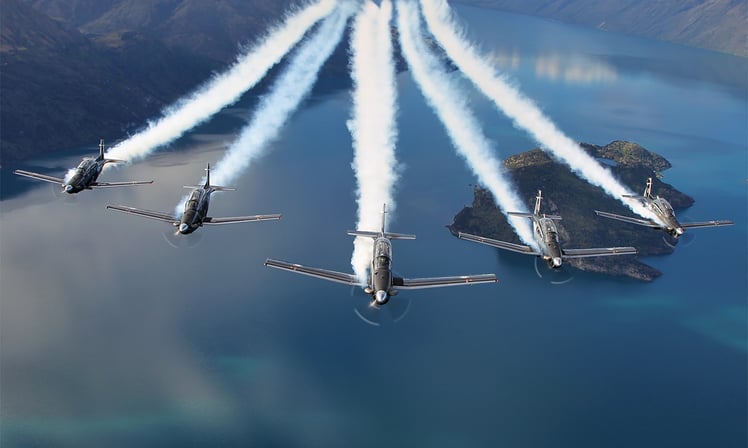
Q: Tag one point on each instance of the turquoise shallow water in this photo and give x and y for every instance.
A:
(110, 337)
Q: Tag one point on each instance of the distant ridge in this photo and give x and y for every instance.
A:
(719, 25)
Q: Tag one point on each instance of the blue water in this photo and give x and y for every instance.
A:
(110, 337)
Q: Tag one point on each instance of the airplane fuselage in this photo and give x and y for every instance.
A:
(546, 235)
(380, 284)
(85, 174)
(664, 211)
(195, 210)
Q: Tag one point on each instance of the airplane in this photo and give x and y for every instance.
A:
(195, 210)
(664, 212)
(84, 176)
(546, 236)
(382, 283)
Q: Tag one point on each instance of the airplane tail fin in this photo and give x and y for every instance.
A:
(536, 210)
(384, 216)
(382, 233)
(207, 184)
(648, 188)
(647, 192)
(102, 157)
(538, 200)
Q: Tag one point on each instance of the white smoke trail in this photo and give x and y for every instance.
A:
(372, 124)
(448, 102)
(284, 97)
(524, 113)
(225, 88)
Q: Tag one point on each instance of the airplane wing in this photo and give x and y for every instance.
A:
(120, 184)
(496, 243)
(145, 213)
(598, 252)
(639, 221)
(339, 277)
(692, 225)
(54, 180)
(435, 282)
(240, 219)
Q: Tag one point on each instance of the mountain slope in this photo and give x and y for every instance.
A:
(719, 25)
(64, 85)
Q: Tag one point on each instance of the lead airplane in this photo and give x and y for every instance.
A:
(546, 237)
(382, 283)
(195, 212)
(664, 212)
(85, 176)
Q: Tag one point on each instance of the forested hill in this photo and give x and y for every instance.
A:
(74, 71)
(720, 25)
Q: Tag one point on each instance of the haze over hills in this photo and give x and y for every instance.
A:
(720, 25)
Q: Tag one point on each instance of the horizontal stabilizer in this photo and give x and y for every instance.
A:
(392, 236)
(114, 161)
(496, 243)
(334, 276)
(598, 252)
(236, 219)
(638, 221)
(212, 187)
(521, 214)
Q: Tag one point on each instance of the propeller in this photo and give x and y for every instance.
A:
(179, 241)
(553, 276)
(684, 240)
(382, 315)
(59, 193)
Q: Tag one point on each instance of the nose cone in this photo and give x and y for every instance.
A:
(556, 262)
(184, 228)
(381, 297)
(68, 188)
(678, 231)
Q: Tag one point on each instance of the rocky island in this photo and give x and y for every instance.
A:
(575, 200)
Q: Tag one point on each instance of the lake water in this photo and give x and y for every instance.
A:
(110, 337)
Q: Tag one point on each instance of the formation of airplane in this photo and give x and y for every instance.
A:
(195, 212)
(382, 283)
(664, 212)
(85, 175)
(546, 238)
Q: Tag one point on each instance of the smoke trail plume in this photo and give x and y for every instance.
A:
(284, 97)
(225, 88)
(524, 113)
(372, 124)
(448, 102)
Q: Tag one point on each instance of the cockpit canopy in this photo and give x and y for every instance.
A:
(663, 206)
(83, 166)
(382, 253)
(193, 200)
(549, 228)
